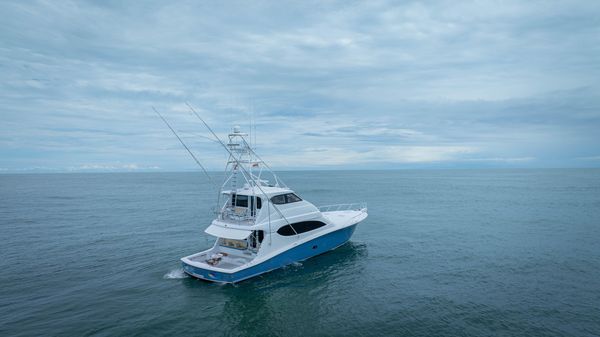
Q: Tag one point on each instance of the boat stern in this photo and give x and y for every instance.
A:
(205, 272)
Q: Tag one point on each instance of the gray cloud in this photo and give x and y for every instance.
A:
(378, 83)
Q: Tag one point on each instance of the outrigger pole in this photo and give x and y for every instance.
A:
(185, 146)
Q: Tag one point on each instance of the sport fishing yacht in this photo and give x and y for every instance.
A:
(261, 224)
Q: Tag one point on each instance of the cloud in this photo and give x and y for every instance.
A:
(112, 167)
(379, 83)
(502, 160)
(328, 156)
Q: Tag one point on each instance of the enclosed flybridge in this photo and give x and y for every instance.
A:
(261, 224)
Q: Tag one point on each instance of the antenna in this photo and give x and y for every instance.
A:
(253, 126)
(185, 146)
(250, 126)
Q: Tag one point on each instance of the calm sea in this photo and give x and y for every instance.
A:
(442, 253)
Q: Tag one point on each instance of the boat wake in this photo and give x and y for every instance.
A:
(294, 265)
(175, 274)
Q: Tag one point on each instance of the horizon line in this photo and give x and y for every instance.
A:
(62, 171)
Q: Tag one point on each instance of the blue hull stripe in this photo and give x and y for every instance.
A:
(304, 251)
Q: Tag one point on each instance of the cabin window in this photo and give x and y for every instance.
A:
(307, 226)
(286, 230)
(237, 244)
(291, 197)
(299, 228)
(241, 201)
(285, 199)
(278, 199)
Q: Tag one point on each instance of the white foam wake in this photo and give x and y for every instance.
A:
(175, 274)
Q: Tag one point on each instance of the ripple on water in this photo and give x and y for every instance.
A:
(175, 274)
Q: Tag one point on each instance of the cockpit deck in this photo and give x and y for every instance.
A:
(223, 257)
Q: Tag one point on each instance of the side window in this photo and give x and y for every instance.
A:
(291, 197)
(258, 203)
(299, 228)
(278, 199)
(285, 199)
(286, 230)
(307, 226)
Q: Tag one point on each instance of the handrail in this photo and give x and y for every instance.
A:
(357, 206)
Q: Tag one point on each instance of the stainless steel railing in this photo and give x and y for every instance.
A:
(359, 206)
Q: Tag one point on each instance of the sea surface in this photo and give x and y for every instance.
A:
(442, 253)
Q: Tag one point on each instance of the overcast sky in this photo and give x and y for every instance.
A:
(373, 84)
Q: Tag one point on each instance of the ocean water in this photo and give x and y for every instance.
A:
(442, 253)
